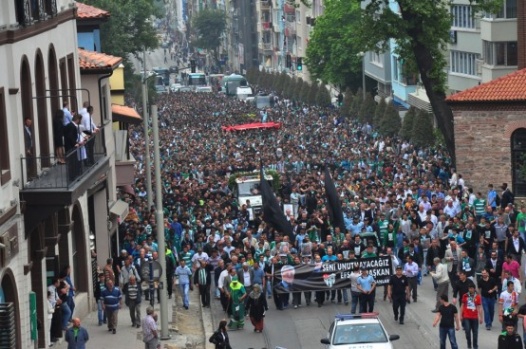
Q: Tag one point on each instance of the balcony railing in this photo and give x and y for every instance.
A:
(45, 172)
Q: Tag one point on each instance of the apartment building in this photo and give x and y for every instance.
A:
(283, 31)
(482, 47)
(49, 213)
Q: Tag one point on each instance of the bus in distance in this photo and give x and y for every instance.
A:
(196, 79)
(232, 82)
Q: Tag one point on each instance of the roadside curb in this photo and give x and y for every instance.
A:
(208, 326)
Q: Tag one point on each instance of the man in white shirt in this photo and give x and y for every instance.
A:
(411, 272)
(441, 276)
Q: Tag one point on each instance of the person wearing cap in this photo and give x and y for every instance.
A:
(398, 293)
(471, 315)
(237, 304)
(367, 287)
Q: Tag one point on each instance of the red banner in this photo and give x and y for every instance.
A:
(252, 126)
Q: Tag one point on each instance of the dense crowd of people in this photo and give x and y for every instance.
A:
(398, 200)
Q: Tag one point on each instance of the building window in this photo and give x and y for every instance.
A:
(376, 58)
(500, 53)
(508, 11)
(5, 170)
(400, 75)
(72, 84)
(463, 16)
(463, 63)
(103, 113)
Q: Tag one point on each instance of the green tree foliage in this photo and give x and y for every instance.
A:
(332, 54)
(209, 25)
(313, 93)
(406, 131)
(422, 133)
(379, 112)
(305, 89)
(129, 29)
(298, 86)
(324, 97)
(367, 110)
(421, 30)
(390, 124)
(356, 104)
(347, 102)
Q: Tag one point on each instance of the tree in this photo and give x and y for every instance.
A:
(406, 131)
(313, 93)
(390, 123)
(324, 97)
(422, 133)
(379, 112)
(421, 29)
(332, 56)
(305, 89)
(367, 110)
(356, 104)
(347, 102)
(129, 30)
(298, 86)
(209, 25)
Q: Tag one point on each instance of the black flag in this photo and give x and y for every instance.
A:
(272, 213)
(333, 200)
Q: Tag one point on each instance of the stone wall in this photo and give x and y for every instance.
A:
(483, 143)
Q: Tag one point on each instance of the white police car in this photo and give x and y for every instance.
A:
(363, 331)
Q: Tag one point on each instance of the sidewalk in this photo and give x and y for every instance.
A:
(185, 328)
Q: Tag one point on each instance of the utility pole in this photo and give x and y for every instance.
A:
(159, 221)
(146, 121)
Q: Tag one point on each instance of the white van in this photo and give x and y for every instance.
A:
(245, 93)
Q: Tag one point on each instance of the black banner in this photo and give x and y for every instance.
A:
(329, 275)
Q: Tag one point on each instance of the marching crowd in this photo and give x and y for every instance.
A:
(398, 200)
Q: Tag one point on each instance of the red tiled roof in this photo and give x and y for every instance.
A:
(91, 60)
(89, 12)
(508, 88)
(125, 114)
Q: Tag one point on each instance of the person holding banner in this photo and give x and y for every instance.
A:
(367, 287)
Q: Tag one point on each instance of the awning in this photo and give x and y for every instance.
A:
(120, 209)
(125, 114)
(252, 126)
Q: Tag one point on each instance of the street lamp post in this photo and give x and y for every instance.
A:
(159, 222)
(146, 122)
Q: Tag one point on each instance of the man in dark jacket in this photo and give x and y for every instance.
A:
(460, 287)
(510, 339)
(507, 196)
(203, 279)
(71, 142)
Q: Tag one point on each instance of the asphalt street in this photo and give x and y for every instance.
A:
(306, 326)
